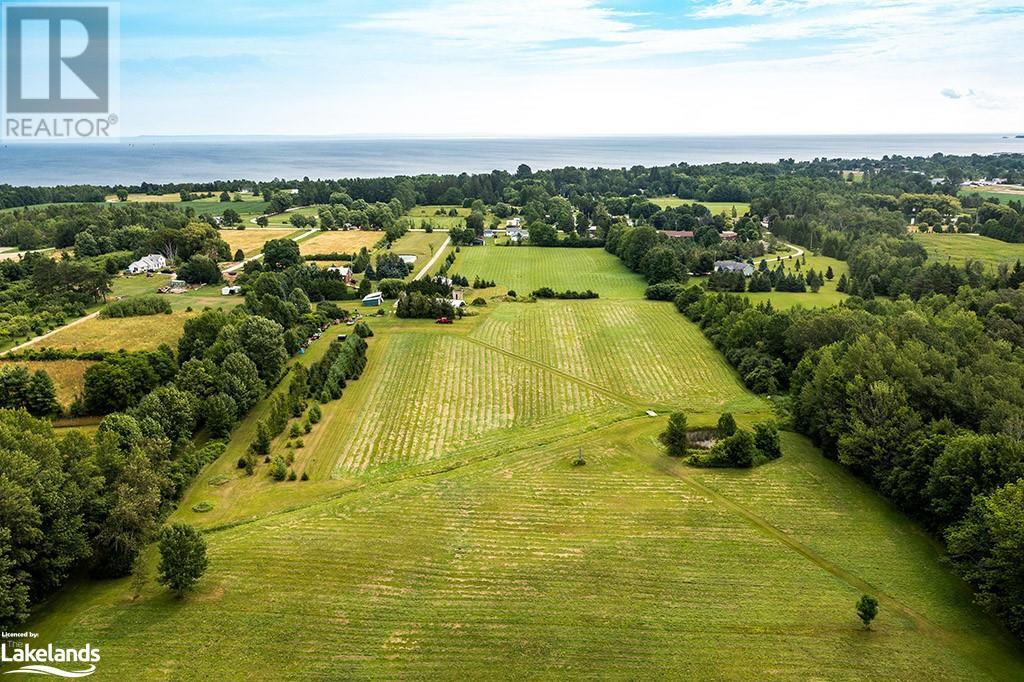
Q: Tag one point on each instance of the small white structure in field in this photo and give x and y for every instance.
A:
(150, 263)
(230, 291)
(408, 260)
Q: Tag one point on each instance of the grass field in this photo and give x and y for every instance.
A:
(113, 334)
(349, 241)
(249, 206)
(252, 239)
(526, 268)
(1003, 194)
(958, 248)
(68, 376)
(421, 245)
(716, 207)
(445, 532)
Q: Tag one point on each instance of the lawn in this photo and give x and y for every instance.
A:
(958, 248)
(68, 376)
(252, 239)
(526, 268)
(716, 207)
(445, 533)
(249, 207)
(345, 241)
(826, 297)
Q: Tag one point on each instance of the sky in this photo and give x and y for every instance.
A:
(571, 67)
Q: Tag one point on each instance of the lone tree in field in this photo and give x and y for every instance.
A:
(674, 437)
(867, 609)
(182, 557)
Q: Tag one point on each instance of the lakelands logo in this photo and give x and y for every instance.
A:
(70, 662)
(60, 71)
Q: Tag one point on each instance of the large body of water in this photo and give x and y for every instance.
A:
(160, 160)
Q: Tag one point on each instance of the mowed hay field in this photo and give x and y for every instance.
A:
(958, 248)
(427, 395)
(640, 349)
(349, 241)
(527, 268)
(251, 239)
(522, 565)
(446, 533)
(68, 375)
(113, 334)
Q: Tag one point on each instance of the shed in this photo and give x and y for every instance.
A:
(374, 299)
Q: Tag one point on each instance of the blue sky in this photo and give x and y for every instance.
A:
(568, 67)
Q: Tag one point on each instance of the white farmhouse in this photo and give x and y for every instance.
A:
(151, 263)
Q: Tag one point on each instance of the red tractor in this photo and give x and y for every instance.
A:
(443, 320)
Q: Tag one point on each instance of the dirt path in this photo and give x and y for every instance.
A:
(437, 254)
(48, 334)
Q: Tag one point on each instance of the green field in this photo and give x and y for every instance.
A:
(1004, 195)
(526, 268)
(958, 248)
(445, 532)
(716, 207)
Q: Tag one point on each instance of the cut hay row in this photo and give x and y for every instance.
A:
(430, 394)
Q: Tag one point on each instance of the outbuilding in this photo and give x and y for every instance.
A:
(373, 300)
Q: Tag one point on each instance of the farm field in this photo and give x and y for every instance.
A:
(958, 248)
(68, 375)
(1004, 194)
(339, 242)
(113, 334)
(250, 206)
(526, 268)
(445, 530)
(631, 565)
(716, 207)
(252, 239)
(645, 350)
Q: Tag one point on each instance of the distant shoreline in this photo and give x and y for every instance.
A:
(167, 160)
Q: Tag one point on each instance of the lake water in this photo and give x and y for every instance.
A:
(168, 159)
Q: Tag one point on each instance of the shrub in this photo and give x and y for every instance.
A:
(137, 307)
(278, 469)
(291, 475)
(726, 425)
(305, 476)
(202, 507)
(766, 440)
